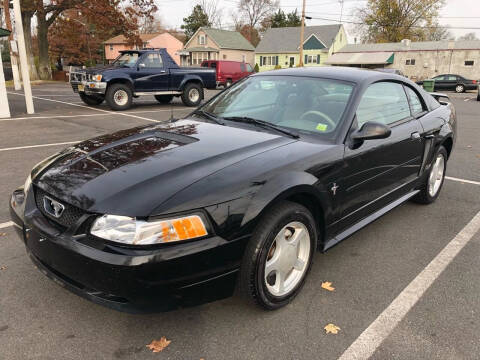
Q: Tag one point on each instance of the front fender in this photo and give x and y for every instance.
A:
(118, 78)
(283, 186)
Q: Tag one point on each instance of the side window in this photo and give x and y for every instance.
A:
(153, 60)
(415, 102)
(249, 68)
(451, 78)
(384, 102)
(439, 78)
(242, 67)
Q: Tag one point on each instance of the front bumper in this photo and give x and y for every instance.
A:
(126, 279)
(89, 87)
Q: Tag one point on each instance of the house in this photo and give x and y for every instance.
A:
(417, 60)
(216, 44)
(280, 46)
(158, 40)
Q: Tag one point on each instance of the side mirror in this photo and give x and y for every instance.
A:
(141, 65)
(370, 131)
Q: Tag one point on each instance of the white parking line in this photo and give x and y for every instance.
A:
(37, 146)
(6, 224)
(90, 108)
(371, 338)
(88, 115)
(462, 180)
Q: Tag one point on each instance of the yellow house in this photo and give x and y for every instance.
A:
(280, 46)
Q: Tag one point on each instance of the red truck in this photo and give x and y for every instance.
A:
(228, 72)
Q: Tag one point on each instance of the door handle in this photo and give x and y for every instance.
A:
(415, 135)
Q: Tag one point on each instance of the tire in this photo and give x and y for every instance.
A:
(257, 286)
(119, 97)
(425, 196)
(478, 96)
(459, 88)
(192, 94)
(164, 99)
(228, 83)
(91, 100)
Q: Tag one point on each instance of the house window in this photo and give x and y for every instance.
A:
(269, 60)
(244, 58)
(410, 62)
(202, 39)
(469, 62)
(111, 47)
(224, 56)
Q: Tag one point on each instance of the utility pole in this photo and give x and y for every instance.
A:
(341, 10)
(27, 89)
(13, 50)
(302, 33)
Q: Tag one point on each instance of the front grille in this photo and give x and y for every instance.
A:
(70, 215)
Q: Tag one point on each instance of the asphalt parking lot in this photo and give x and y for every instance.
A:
(370, 271)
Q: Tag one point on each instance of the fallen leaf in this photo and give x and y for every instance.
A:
(331, 328)
(327, 285)
(159, 345)
(3, 268)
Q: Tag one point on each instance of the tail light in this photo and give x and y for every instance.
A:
(474, 81)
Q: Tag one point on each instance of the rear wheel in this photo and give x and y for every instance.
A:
(164, 99)
(436, 176)
(92, 99)
(228, 83)
(460, 88)
(278, 256)
(119, 97)
(192, 94)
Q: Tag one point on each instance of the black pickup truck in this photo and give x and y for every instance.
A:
(142, 72)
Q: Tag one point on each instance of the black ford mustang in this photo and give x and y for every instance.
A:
(239, 193)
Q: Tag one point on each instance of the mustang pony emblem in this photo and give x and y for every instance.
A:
(53, 207)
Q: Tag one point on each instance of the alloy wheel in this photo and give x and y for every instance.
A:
(436, 175)
(287, 259)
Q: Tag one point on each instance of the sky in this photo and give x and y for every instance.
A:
(456, 13)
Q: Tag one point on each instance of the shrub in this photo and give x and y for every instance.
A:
(277, 67)
(256, 68)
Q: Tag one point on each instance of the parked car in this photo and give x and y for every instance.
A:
(228, 72)
(241, 192)
(452, 82)
(391, 71)
(478, 93)
(141, 72)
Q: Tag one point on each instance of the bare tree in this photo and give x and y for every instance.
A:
(150, 24)
(469, 36)
(213, 11)
(255, 11)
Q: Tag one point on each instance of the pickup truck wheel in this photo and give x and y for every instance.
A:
(192, 94)
(91, 99)
(119, 97)
(228, 83)
(164, 99)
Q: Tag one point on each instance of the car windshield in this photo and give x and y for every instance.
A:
(304, 104)
(126, 59)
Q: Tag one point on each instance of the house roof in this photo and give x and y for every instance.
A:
(413, 46)
(359, 58)
(120, 39)
(4, 32)
(227, 39)
(286, 39)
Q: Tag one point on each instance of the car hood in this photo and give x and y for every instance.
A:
(133, 171)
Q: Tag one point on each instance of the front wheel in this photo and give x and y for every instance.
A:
(192, 94)
(278, 256)
(436, 176)
(460, 88)
(91, 100)
(119, 97)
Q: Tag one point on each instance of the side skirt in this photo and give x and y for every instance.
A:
(364, 222)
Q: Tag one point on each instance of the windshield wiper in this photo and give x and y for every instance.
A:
(262, 123)
(209, 116)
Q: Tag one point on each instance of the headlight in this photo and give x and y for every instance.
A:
(27, 184)
(127, 230)
(97, 77)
